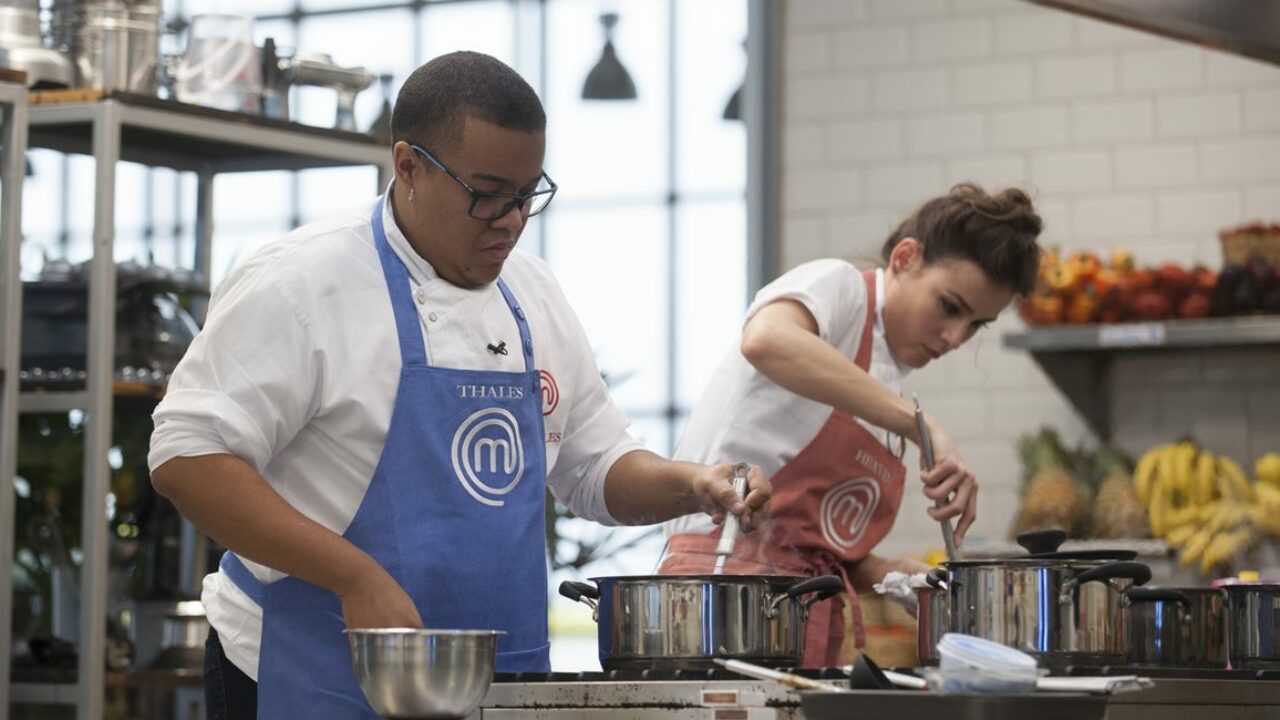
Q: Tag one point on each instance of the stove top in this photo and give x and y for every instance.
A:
(657, 675)
(1172, 673)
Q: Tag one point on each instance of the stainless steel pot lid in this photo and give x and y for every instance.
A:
(1042, 546)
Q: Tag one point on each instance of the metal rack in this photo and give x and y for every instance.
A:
(13, 122)
(150, 131)
(1078, 358)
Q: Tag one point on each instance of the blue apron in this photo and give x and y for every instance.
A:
(455, 512)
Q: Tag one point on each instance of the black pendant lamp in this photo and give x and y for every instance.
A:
(608, 80)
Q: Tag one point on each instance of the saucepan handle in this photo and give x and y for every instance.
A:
(584, 593)
(821, 587)
(938, 578)
(1137, 595)
(1135, 571)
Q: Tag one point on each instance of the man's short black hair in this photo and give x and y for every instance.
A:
(439, 96)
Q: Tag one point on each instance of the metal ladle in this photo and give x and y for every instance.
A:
(729, 534)
(926, 451)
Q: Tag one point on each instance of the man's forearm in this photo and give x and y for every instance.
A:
(643, 488)
(230, 502)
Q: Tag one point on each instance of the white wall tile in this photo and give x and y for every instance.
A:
(1198, 212)
(1200, 115)
(823, 13)
(866, 140)
(859, 235)
(909, 90)
(951, 40)
(1154, 370)
(1262, 110)
(1155, 167)
(1242, 367)
(821, 189)
(1055, 213)
(1261, 202)
(1113, 217)
(946, 134)
(804, 144)
(989, 170)
(903, 186)
(1072, 171)
(1240, 160)
(869, 47)
(1224, 69)
(810, 52)
(1076, 77)
(966, 7)
(1092, 34)
(992, 83)
(922, 9)
(825, 96)
(803, 239)
(1033, 33)
(1035, 127)
(1147, 70)
(1112, 121)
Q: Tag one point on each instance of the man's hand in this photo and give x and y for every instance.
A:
(951, 480)
(713, 487)
(376, 600)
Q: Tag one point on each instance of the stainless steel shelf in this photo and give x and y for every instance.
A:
(1168, 335)
(43, 693)
(1078, 359)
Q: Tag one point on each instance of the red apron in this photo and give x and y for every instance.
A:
(832, 504)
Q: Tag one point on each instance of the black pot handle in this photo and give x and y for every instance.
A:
(575, 591)
(824, 585)
(1038, 542)
(1135, 571)
(938, 578)
(1140, 594)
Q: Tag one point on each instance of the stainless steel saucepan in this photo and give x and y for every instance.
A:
(689, 621)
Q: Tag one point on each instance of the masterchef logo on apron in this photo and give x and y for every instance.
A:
(488, 456)
(846, 511)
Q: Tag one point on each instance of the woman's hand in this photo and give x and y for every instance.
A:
(713, 487)
(951, 481)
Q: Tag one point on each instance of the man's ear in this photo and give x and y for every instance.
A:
(404, 162)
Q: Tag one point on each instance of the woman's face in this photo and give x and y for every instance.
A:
(930, 310)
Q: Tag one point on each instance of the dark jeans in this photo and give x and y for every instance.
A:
(229, 694)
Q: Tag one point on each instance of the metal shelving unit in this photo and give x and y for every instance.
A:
(13, 122)
(154, 132)
(1078, 359)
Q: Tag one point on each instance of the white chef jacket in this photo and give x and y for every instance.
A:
(297, 367)
(744, 416)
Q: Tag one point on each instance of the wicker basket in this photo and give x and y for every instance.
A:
(1241, 243)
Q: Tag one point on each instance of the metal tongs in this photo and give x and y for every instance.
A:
(729, 533)
(926, 451)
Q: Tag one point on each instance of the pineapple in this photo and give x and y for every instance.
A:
(1117, 513)
(1052, 496)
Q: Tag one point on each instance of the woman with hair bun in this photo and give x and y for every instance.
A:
(813, 395)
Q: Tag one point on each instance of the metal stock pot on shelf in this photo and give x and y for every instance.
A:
(688, 621)
(1064, 608)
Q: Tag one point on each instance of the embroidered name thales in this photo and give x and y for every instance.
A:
(504, 392)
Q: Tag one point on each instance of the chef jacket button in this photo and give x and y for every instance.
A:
(421, 296)
(432, 317)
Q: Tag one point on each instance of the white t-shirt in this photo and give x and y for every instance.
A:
(297, 367)
(744, 416)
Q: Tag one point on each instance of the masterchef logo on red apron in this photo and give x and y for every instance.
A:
(550, 392)
(488, 457)
(846, 511)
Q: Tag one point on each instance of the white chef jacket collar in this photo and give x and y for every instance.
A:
(420, 271)
(879, 326)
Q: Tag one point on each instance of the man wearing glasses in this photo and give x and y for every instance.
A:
(376, 403)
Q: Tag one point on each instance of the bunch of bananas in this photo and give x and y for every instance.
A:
(1203, 504)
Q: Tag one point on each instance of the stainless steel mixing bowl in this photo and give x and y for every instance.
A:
(423, 673)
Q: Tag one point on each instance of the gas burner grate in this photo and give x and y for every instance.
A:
(1172, 673)
(656, 675)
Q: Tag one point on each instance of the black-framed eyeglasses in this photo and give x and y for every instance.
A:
(489, 206)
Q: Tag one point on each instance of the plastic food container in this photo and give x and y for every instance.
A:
(969, 664)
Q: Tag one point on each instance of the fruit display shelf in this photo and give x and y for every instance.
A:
(1078, 357)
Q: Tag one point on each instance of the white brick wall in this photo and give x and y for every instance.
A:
(1125, 139)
